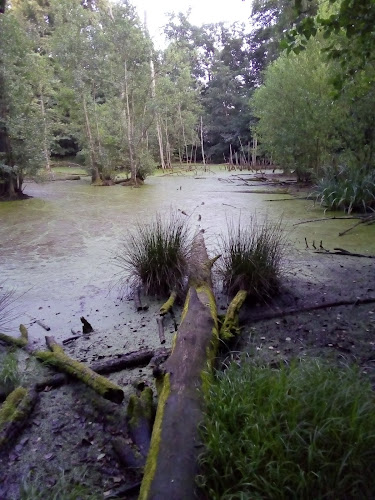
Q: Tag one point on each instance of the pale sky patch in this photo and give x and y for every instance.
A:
(202, 12)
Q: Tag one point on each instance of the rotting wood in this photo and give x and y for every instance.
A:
(364, 220)
(160, 322)
(14, 413)
(86, 326)
(58, 359)
(342, 251)
(230, 326)
(129, 360)
(167, 306)
(325, 305)
(348, 217)
(55, 381)
(43, 325)
(171, 464)
(137, 301)
(140, 416)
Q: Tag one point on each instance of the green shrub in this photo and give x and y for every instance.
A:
(301, 432)
(348, 188)
(155, 255)
(251, 258)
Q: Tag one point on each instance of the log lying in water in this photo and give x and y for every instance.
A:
(171, 464)
(58, 359)
(14, 413)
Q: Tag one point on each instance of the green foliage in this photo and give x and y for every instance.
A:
(34, 488)
(9, 373)
(347, 188)
(155, 255)
(251, 258)
(304, 431)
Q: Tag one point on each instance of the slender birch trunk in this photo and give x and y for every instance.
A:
(203, 158)
(46, 150)
(133, 166)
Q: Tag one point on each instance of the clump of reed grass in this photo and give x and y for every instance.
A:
(7, 308)
(155, 255)
(251, 257)
(347, 188)
(304, 431)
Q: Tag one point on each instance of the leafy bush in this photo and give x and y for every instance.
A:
(155, 255)
(303, 432)
(348, 188)
(251, 258)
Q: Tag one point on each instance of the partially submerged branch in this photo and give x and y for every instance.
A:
(230, 326)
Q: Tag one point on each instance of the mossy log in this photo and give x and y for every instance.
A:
(167, 306)
(140, 415)
(57, 358)
(18, 341)
(14, 413)
(230, 326)
(171, 464)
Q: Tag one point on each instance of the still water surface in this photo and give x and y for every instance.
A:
(56, 248)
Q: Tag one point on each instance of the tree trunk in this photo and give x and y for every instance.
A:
(46, 150)
(171, 464)
(129, 128)
(95, 175)
(202, 146)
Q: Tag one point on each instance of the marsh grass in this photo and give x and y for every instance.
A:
(349, 189)
(9, 373)
(8, 311)
(302, 432)
(155, 255)
(251, 257)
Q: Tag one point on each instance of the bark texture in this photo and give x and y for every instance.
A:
(171, 464)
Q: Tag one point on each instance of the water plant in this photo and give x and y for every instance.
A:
(155, 255)
(351, 189)
(304, 431)
(251, 257)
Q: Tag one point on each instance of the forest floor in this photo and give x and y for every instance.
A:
(67, 443)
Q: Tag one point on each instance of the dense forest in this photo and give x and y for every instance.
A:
(81, 80)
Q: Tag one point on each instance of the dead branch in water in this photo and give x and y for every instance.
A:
(342, 251)
(326, 218)
(365, 220)
(326, 305)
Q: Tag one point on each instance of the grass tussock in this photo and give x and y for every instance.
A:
(348, 188)
(302, 432)
(251, 258)
(155, 255)
(7, 307)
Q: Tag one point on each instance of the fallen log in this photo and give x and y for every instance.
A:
(171, 464)
(167, 306)
(58, 359)
(130, 360)
(140, 416)
(52, 382)
(342, 251)
(14, 413)
(301, 310)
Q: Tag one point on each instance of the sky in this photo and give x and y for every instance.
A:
(202, 12)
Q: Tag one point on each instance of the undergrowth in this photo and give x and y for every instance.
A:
(9, 372)
(155, 255)
(301, 432)
(251, 257)
(348, 188)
